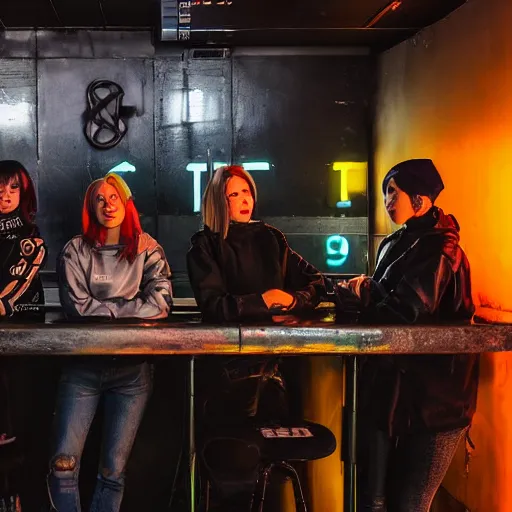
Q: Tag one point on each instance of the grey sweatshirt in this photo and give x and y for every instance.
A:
(95, 282)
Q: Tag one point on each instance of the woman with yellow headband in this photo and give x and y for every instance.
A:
(112, 270)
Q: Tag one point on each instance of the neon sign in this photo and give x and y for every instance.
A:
(198, 168)
(355, 183)
(337, 250)
(123, 167)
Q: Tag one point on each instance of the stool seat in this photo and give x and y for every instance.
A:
(277, 441)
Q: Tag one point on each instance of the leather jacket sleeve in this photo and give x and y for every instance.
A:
(412, 288)
(215, 303)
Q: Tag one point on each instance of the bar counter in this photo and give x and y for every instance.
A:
(190, 336)
(185, 334)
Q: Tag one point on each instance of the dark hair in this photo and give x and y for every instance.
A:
(418, 176)
(10, 169)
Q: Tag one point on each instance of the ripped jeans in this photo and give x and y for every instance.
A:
(125, 390)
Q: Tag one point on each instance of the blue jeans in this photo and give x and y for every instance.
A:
(125, 390)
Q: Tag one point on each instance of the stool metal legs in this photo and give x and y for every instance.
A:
(350, 435)
(192, 434)
(258, 499)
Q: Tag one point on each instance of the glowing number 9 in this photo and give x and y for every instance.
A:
(337, 250)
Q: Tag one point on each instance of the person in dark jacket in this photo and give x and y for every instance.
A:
(417, 408)
(22, 250)
(243, 270)
(22, 253)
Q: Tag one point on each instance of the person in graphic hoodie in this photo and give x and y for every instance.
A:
(113, 270)
(416, 408)
(22, 253)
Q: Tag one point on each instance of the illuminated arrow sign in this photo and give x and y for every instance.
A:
(123, 167)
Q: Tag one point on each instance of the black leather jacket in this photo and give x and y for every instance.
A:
(422, 277)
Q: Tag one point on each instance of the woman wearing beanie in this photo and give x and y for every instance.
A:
(416, 408)
(113, 270)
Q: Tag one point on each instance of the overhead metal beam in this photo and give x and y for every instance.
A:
(56, 13)
(100, 4)
(391, 6)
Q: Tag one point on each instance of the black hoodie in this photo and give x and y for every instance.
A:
(229, 276)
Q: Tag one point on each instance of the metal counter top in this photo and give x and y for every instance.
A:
(184, 336)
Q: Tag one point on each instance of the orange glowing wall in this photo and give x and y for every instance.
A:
(446, 94)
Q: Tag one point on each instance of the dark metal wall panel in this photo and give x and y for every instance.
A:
(320, 225)
(299, 110)
(18, 120)
(89, 44)
(69, 163)
(335, 245)
(17, 44)
(174, 233)
(192, 117)
(192, 124)
(320, 241)
(301, 114)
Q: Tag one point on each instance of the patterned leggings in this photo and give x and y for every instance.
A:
(405, 477)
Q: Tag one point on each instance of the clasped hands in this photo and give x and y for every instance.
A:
(275, 298)
(354, 284)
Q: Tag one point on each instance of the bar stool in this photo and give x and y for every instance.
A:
(269, 447)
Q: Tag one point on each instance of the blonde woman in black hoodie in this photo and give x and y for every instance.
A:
(243, 270)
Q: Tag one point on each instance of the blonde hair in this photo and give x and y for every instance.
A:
(112, 179)
(215, 209)
(94, 233)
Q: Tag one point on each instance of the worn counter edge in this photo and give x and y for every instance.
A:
(377, 339)
(118, 339)
(196, 338)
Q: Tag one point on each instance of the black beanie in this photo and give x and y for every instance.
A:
(416, 177)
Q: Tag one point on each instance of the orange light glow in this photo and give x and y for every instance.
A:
(447, 97)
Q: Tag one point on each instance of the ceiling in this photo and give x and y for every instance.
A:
(377, 23)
